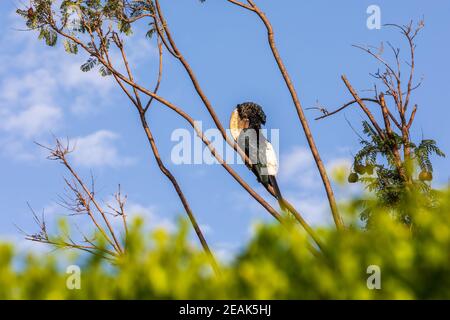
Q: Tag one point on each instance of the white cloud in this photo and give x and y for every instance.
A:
(299, 171)
(74, 78)
(314, 210)
(338, 163)
(27, 106)
(39, 86)
(297, 167)
(15, 148)
(225, 252)
(36, 85)
(82, 105)
(150, 216)
(33, 121)
(297, 160)
(23, 246)
(98, 149)
(302, 185)
(140, 49)
(152, 219)
(206, 229)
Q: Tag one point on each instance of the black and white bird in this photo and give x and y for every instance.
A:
(246, 128)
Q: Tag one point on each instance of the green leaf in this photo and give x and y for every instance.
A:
(88, 65)
(49, 36)
(104, 72)
(150, 33)
(70, 47)
(125, 27)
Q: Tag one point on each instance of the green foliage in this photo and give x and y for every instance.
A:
(80, 18)
(375, 147)
(378, 171)
(423, 151)
(140, 7)
(89, 65)
(276, 264)
(49, 36)
(37, 17)
(70, 47)
(104, 72)
(151, 31)
(76, 17)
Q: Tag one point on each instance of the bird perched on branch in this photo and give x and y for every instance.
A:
(245, 125)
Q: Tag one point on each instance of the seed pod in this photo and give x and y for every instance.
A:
(359, 168)
(369, 169)
(353, 177)
(425, 176)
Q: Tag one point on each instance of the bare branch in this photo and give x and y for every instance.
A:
(330, 113)
(411, 119)
(243, 5)
(160, 70)
(59, 153)
(363, 106)
(379, 58)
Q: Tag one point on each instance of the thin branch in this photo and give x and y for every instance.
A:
(345, 106)
(379, 58)
(363, 106)
(160, 70)
(60, 153)
(411, 119)
(243, 5)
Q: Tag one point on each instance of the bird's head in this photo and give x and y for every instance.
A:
(247, 115)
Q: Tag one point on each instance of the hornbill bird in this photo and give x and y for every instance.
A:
(245, 126)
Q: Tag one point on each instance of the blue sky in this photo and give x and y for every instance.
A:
(43, 92)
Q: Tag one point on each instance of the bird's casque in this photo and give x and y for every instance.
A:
(247, 115)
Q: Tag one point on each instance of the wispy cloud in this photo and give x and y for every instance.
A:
(301, 184)
(225, 251)
(297, 168)
(99, 150)
(33, 120)
(314, 209)
(150, 214)
(37, 85)
(338, 163)
(27, 105)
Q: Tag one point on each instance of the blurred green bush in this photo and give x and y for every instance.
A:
(276, 264)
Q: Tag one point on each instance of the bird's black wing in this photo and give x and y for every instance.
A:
(248, 142)
(254, 144)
